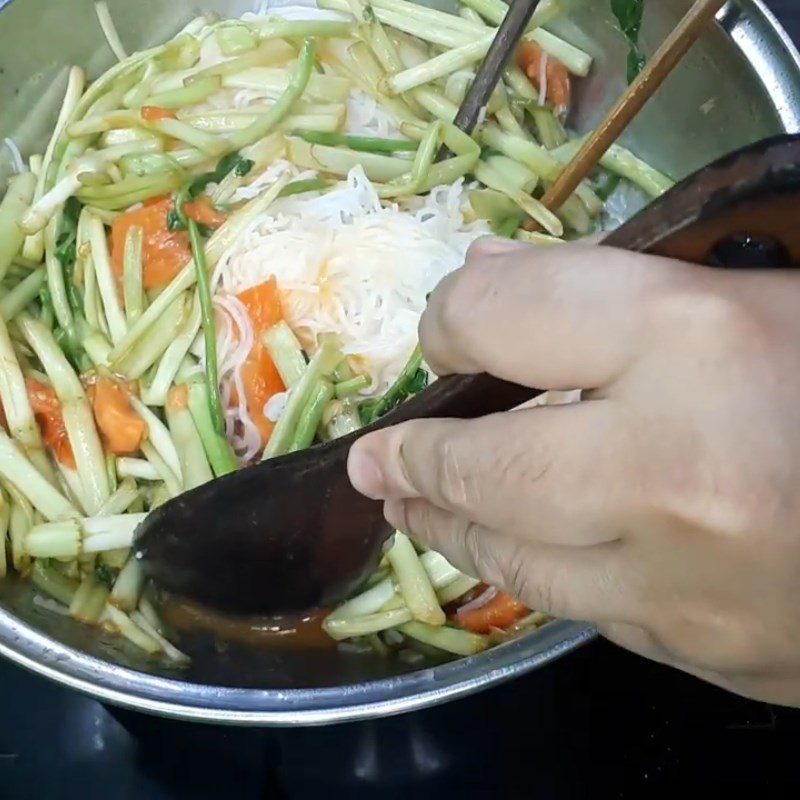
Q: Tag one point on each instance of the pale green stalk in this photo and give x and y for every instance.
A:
(24, 293)
(53, 583)
(321, 365)
(533, 237)
(273, 82)
(70, 483)
(133, 281)
(191, 94)
(34, 245)
(194, 465)
(55, 281)
(368, 602)
(154, 343)
(109, 533)
(451, 640)
(339, 160)
(439, 66)
(106, 280)
(283, 105)
(128, 586)
(170, 479)
(89, 601)
(339, 629)
(624, 163)
(490, 177)
(18, 470)
(109, 30)
(458, 588)
(156, 393)
(573, 58)
(413, 581)
(286, 352)
(13, 207)
(136, 468)
(158, 436)
(17, 407)
(271, 28)
(125, 626)
(98, 348)
(92, 302)
(22, 520)
(123, 498)
(78, 417)
(170, 651)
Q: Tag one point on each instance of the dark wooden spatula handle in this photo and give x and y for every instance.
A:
(292, 533)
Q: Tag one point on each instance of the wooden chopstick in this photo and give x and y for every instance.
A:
(674, 48)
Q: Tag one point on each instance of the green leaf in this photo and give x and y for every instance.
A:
(629, 14)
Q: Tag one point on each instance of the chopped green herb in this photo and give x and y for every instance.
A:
(629, 15)
(413, 379)
(231, 163)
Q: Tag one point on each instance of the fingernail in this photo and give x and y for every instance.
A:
(365, 473)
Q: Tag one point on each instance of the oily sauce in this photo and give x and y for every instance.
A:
(285, 630)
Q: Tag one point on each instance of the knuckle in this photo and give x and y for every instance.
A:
(451, 472)
(459, 298)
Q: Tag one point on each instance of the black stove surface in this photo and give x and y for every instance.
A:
(599, 723)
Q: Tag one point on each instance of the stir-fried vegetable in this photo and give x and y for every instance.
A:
(151, 343)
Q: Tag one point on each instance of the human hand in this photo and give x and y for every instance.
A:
(665, 506)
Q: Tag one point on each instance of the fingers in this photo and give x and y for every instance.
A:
(570, 583)
(554, 318)
(535, 473)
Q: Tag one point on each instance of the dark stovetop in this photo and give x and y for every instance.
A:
(600, 723)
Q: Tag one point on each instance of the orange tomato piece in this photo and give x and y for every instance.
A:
(202, 212)
(47, 410)
(164, 252)
(559, 89)
(502, 611)
(261, 381)
(263, 304)
(260, 376)
(155, 113)
(121, 428)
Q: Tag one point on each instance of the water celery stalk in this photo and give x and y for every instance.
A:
(439, 66)
(78, 417)
(20, 419)
(18, 471)
(18, 198)
(106, 280)
(24, 293)
(132, 280)
(188, 443)
(194, 92)
(311, 415)
(369, 144)
(217, 448)
(413, 581)
(451, 640)
(209, 328)
(285, 351)
(321, 365)
(267, 121)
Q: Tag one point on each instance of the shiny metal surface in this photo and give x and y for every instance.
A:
(741, 83)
